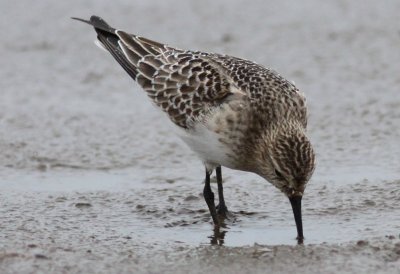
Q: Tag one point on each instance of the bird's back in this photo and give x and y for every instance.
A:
(188, 85)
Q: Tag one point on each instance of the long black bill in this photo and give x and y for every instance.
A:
(296, 206)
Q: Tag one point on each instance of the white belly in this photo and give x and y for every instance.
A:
(207, 146)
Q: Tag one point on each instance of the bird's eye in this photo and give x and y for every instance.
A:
(278, 174)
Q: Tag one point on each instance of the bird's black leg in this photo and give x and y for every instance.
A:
(221, 208)
(209, 197)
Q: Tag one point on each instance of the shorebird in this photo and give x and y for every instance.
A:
(231, 112)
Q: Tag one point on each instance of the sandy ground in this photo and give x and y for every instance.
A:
(93, 179)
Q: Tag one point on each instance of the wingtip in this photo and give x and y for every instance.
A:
(97, 22)
(82, 20)
(95, 18)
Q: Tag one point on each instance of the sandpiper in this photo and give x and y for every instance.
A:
(230, 111)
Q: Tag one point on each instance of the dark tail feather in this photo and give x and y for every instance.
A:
(98, 23)
(106, 35)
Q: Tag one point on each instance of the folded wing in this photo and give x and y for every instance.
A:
(184, 84)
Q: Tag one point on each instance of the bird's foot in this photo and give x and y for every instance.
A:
(300, 240)
(222, 211)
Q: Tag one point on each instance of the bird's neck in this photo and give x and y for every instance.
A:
(282, 129)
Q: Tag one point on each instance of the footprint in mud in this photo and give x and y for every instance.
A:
(82, 205)
(238, 216)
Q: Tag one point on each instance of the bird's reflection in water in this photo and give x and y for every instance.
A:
(217, 238)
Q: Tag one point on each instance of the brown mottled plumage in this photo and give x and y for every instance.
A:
(231, 112)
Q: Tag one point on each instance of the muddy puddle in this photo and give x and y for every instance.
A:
(105, 221)
(162, 213)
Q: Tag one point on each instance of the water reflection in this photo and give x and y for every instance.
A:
(218, 237)
(276, 237)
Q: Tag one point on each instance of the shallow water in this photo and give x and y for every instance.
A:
(163, 213)
(88, 164)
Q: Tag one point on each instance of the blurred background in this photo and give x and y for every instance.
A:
(65, 103)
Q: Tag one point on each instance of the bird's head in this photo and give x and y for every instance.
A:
(290, 159)
(287, 160)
